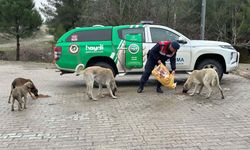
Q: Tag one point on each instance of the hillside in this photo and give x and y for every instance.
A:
(38, 47)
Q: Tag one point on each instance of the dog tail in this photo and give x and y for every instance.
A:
(11, 90)
(79, 70)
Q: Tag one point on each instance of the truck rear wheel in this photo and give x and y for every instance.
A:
(211, 63)
(105, 65)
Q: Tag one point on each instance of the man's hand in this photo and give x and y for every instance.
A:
(159, 61)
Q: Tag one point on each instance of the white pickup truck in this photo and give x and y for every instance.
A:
(195, 54)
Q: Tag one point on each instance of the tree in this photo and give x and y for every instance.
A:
(188, 17)
(243, 29)
(18, 18)
(229, 20)
(63, 14)
(226, 20)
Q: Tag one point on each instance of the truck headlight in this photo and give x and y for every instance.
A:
(227, 47)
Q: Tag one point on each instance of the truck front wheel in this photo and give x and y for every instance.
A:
(211, 63)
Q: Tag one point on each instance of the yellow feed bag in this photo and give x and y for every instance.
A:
(162, 74)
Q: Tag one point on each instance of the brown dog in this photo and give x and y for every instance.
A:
(19, 94)
(21, 82)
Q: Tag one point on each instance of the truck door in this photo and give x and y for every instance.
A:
(128, 42)
(183, 57)
(133, 51)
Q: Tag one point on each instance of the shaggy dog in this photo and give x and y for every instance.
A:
(103, 76)
(205, 77)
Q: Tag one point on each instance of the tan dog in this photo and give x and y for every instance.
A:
(19, 93)
(103, 76)
(20, 82)
(205, 77)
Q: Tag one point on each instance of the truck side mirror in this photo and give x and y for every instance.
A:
(181, 40)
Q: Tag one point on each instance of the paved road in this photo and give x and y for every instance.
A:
(69, 120)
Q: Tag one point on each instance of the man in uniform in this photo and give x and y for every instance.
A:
(160, 53)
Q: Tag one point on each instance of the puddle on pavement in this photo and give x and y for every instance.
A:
(43, 96)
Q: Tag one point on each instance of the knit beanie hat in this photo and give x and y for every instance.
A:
(175, 45)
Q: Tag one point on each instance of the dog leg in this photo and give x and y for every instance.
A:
(20, 101)
(10, 94)
(25, 100)
(195, 88)
(12, 105)
(222, 95)
(100, 91)
(209, 89)
(110, 91)
(20, 107)
(87, 92)
(201, 87)
(91, 91)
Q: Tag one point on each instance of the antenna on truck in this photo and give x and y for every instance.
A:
(146, 22)
(98, 25)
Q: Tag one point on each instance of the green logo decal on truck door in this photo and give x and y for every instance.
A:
(133, 53)
(133, 48)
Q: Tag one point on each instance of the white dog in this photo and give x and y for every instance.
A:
(205, 77)
(103, 76)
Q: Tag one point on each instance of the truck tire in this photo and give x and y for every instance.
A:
(105, 65)
(211, 63)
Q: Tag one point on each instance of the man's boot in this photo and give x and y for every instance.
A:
(140, 89)
(158, 88)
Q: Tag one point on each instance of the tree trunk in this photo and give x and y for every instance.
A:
(17, 41)
(174, 12)
(234, 25)
(17, 48)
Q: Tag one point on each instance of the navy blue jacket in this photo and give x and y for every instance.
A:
(155, 53)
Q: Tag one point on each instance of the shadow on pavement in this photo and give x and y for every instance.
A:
(150, 82)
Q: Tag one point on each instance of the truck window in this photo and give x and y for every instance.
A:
(90, 35)
(159, 34)
(122, 32)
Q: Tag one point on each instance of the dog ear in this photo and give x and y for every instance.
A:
(189, 72)
(28, 85)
